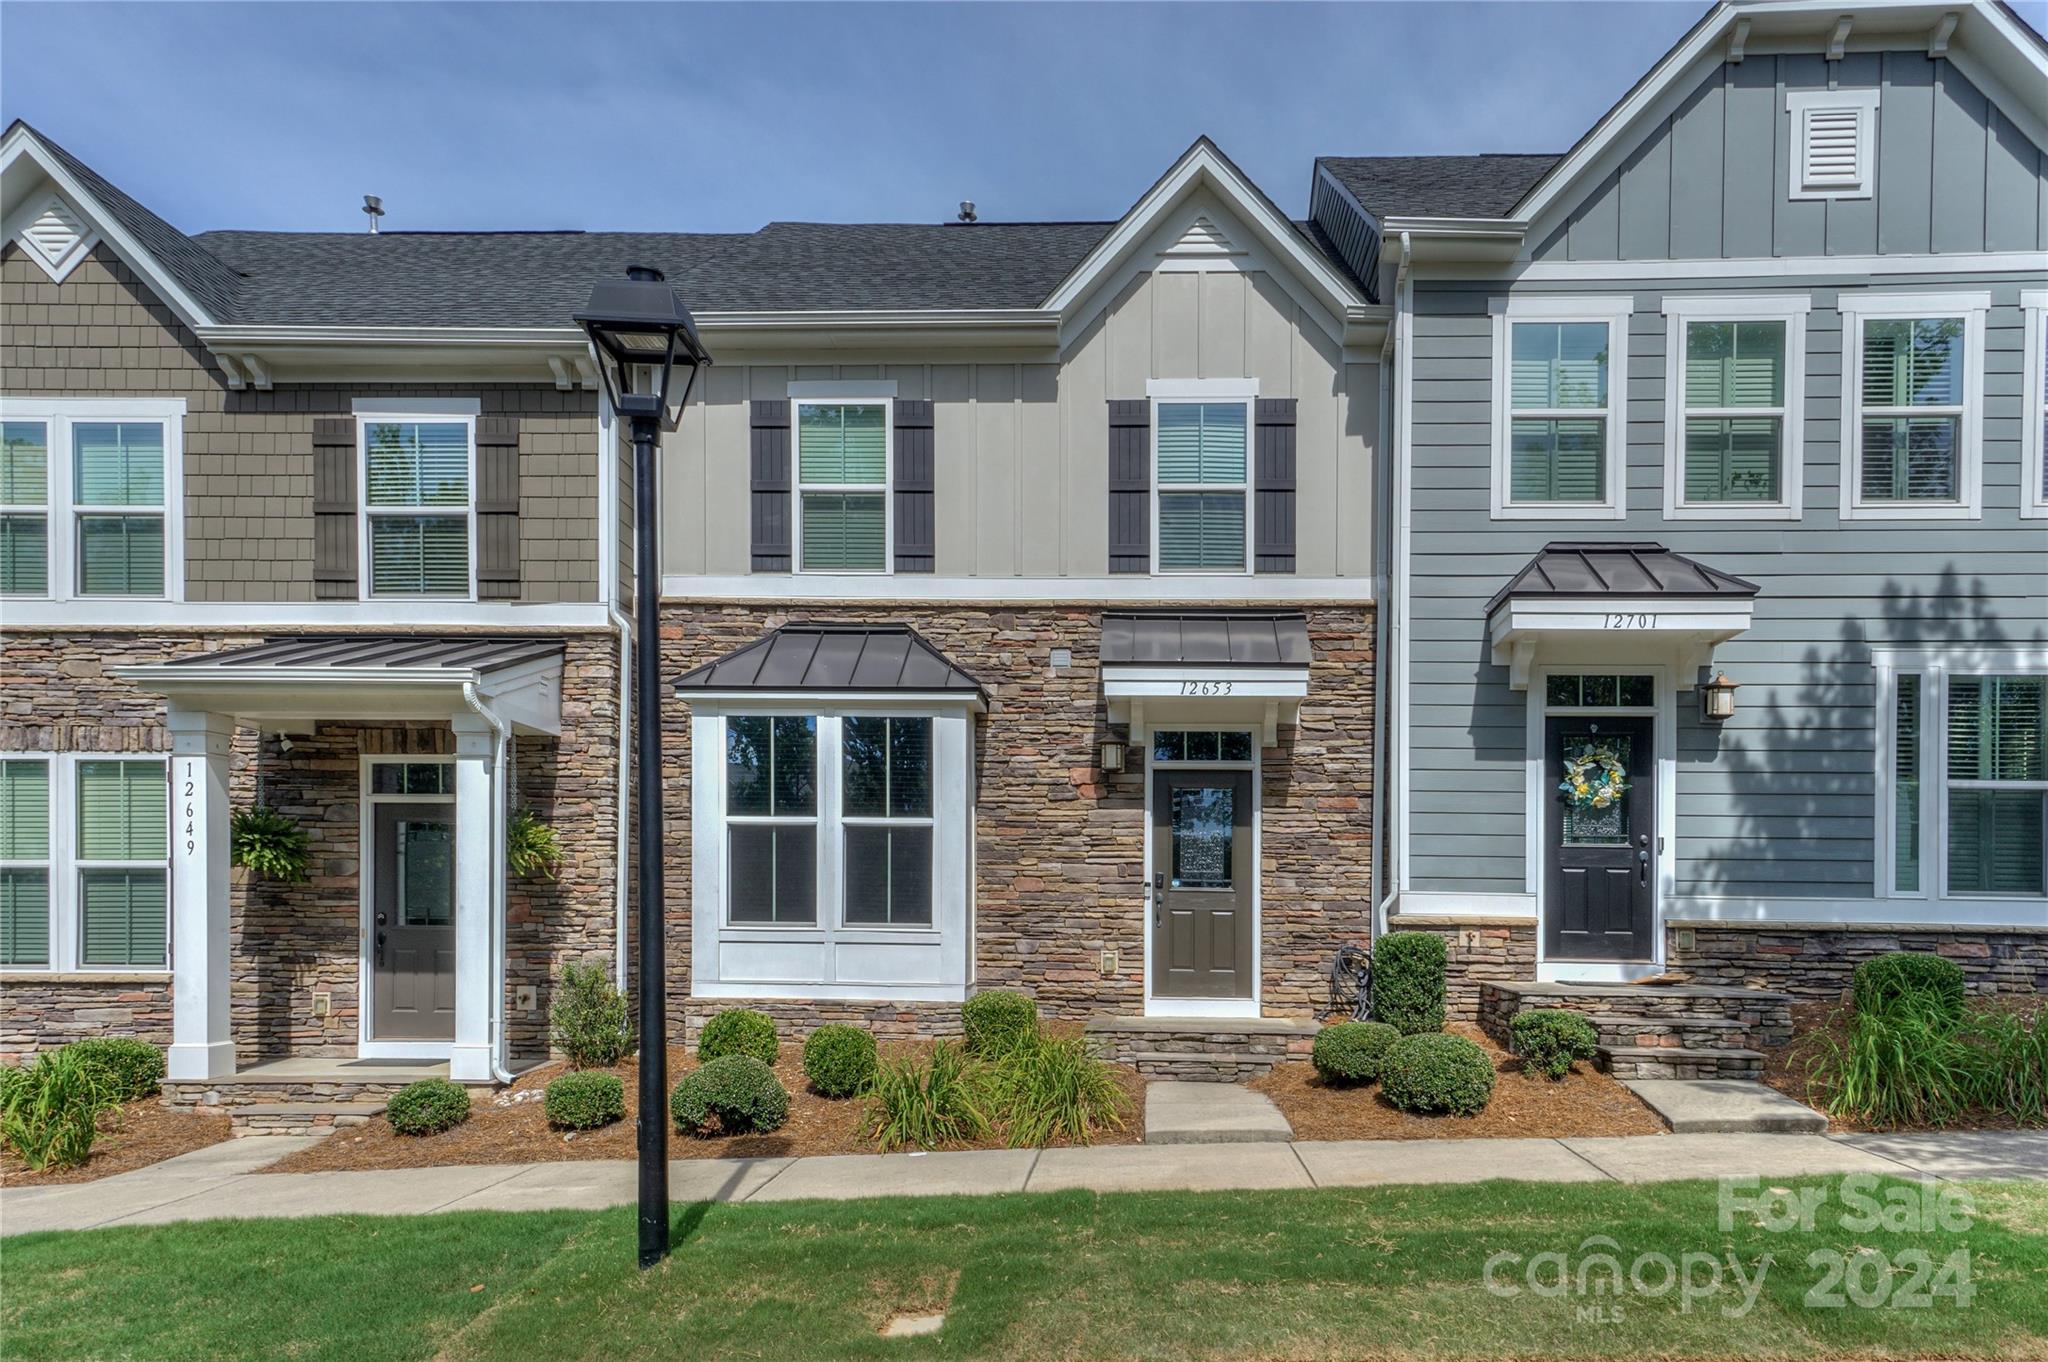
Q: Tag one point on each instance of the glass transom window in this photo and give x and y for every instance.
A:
(1734, 411)
(417, 504)
(1196, 745)
(1597, 691)
(118, 501)
(842, 458)
(1911, 427)
(1203, 463)
(1558, 400)
(25, 508)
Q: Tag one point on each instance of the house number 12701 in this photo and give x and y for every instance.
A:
(1205, 688)
(1631, 621)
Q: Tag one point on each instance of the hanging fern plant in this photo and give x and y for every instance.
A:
(531, 848)
(269, 844)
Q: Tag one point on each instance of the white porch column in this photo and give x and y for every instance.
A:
(478, 849)
(200, 1043)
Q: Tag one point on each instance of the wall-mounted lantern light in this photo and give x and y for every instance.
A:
(1717, 699)
(1110, 756)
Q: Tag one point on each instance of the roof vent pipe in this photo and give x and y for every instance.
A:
(967, 210)
(373, 206)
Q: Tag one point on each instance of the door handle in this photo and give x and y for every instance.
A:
(1158, 898)
(1643, 866)
(380, 950)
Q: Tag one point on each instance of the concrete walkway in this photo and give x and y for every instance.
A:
(220, 1182)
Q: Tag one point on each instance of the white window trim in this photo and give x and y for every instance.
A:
(844, 820)
(2033, 406)
(456, 411)
(1858, 308)
(861, 394)
(1934, 669)
(1614, 313)
(59, 414)
(815, 819)
(1802, 103)
(1791, 309)
(1204, 391)
(65, 866)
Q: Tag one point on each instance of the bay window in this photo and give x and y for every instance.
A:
(1912, 399)
(417, 506)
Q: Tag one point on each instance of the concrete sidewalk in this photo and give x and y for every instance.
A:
(220, 1182)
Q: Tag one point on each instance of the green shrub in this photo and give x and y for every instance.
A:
(532, 851)
(1056, 1087)
(2013, 1080)
(998, 1022)
(589, 1016)
(1437, 1073)
(49, 1111)
(739, 1031)
(839, 1059)
(129, 1068)
(1909, 1062)
(1888, 979)
(585, 1101)
(1548, 1039)
(928, 1103)
(428, 1107)
(740, 1092)
(1408, 981)
(270, 844)
(1350, 1053)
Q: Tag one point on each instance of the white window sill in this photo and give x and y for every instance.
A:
(1559, 511)
(1732, 511)
(1930, 510)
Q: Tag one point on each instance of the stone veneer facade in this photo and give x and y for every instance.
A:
(1058, 846)
(1815, 962)
(1478, 950)
(295, 974)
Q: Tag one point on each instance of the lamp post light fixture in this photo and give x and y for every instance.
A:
(641, 331)
(1717, 699)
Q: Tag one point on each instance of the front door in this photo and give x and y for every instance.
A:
(1201, 889)
(412, 928)
(1601, 832)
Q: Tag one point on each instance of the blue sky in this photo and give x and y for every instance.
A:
(723, 117)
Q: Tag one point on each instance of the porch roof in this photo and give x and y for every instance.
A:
(881, 659)
(1227, 638)
(1567, 568)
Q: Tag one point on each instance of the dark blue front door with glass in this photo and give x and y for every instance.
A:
(1601, 831)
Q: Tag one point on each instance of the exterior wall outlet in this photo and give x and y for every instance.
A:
(323, 1004)
(1108, 963)
(525, 998)
(1685, 938)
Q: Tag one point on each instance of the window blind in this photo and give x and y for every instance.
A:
(1731, 458)
(419, 555)
(1559, 364)
(1995, 734)
(1201, 442)
(24, 555)
(122, 814)
(24, 917)
(1735, 364)
(1995, 728)
(24, 810)
(1558, 460)
(845, 532)
(120, 555)
(122, 917)
(845, 444)
(118, 463)
(1913, 363)
(1906, 786)
(24, 464)
(1201, 531)
(417, 463)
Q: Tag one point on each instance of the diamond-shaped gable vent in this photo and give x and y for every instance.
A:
(54, 233)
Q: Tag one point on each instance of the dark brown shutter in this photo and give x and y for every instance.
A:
(1273, 487)
(1130, 486)
(916, 519)
(334, 508)
(769, 456)
(497, 508)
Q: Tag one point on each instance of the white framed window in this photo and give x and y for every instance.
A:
(91, 497)
(1201, 475)
(843, 511)
(84, 863)
(1833, 136)
(886, 820)
(418, 524)
(1963, 776)
(1912, 405)
(1559, 388)
(2034, 407)
(1735, 394)
(771, 819)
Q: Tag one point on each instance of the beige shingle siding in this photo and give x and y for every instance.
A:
(249, 455)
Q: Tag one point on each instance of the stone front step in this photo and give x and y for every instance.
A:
(1206, 1067)
(299, 1118)
(1673, 1061)
(1696, 1033)
(1766, 1016)
(225, 1094)
(1221, 1051)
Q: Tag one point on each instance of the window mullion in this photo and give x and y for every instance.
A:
(831, 849)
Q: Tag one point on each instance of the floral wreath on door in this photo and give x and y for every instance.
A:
(1594, 776)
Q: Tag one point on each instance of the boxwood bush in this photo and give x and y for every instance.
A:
(428, 1107)
(1433, 1074)
(738, 1091)
(1408, 981)
(585, 1101)
(1881, 984)
(1350, 1053)
(588, 1017)
(839, 1059)
(1548, 1039)
(998, 1022)
(739, 1031)
(128, 1068)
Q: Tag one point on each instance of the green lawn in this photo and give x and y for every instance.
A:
(1339, 1273)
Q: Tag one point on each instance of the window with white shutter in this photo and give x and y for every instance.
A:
(1834, 134)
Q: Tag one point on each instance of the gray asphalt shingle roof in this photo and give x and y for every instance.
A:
(1440, 186)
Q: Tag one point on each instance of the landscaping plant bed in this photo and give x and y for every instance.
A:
(511, 1127)
(1584, 1102)
(135, 1135)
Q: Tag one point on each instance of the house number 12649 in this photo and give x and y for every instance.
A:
(191, 810)
(1205, 688)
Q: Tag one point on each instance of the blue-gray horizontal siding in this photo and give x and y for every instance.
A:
(1712, 180)
(1780, 801)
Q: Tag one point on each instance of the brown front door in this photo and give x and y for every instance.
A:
(1201, 891)
(1601, 863)
(412, 942)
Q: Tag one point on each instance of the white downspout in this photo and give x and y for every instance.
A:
(1388, 862)
(608, 447)
(501, 739)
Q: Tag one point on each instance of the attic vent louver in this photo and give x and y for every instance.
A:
(1832, 134)
(56, 238)
(1203, 237)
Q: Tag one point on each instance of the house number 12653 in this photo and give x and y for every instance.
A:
(1205, 688)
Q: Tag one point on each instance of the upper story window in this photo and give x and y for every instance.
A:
(1834, 135)
(842, 486)
(1734, 407)
(2034, 407)
(418, 508)
(1203, 465)
(89, 496)
(1557, 430)
(1912, 405)
(88, 887)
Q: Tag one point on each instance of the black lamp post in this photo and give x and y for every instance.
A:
(641, 330)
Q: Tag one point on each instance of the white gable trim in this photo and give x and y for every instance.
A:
(23, 144)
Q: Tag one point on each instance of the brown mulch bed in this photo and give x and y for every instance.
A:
(1789, 1067)
(1582, 1103)
(142, 1132)
(501, 1131)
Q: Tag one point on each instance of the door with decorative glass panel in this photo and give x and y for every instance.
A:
(1600, 834)
(1202, 866)
(412, 901)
